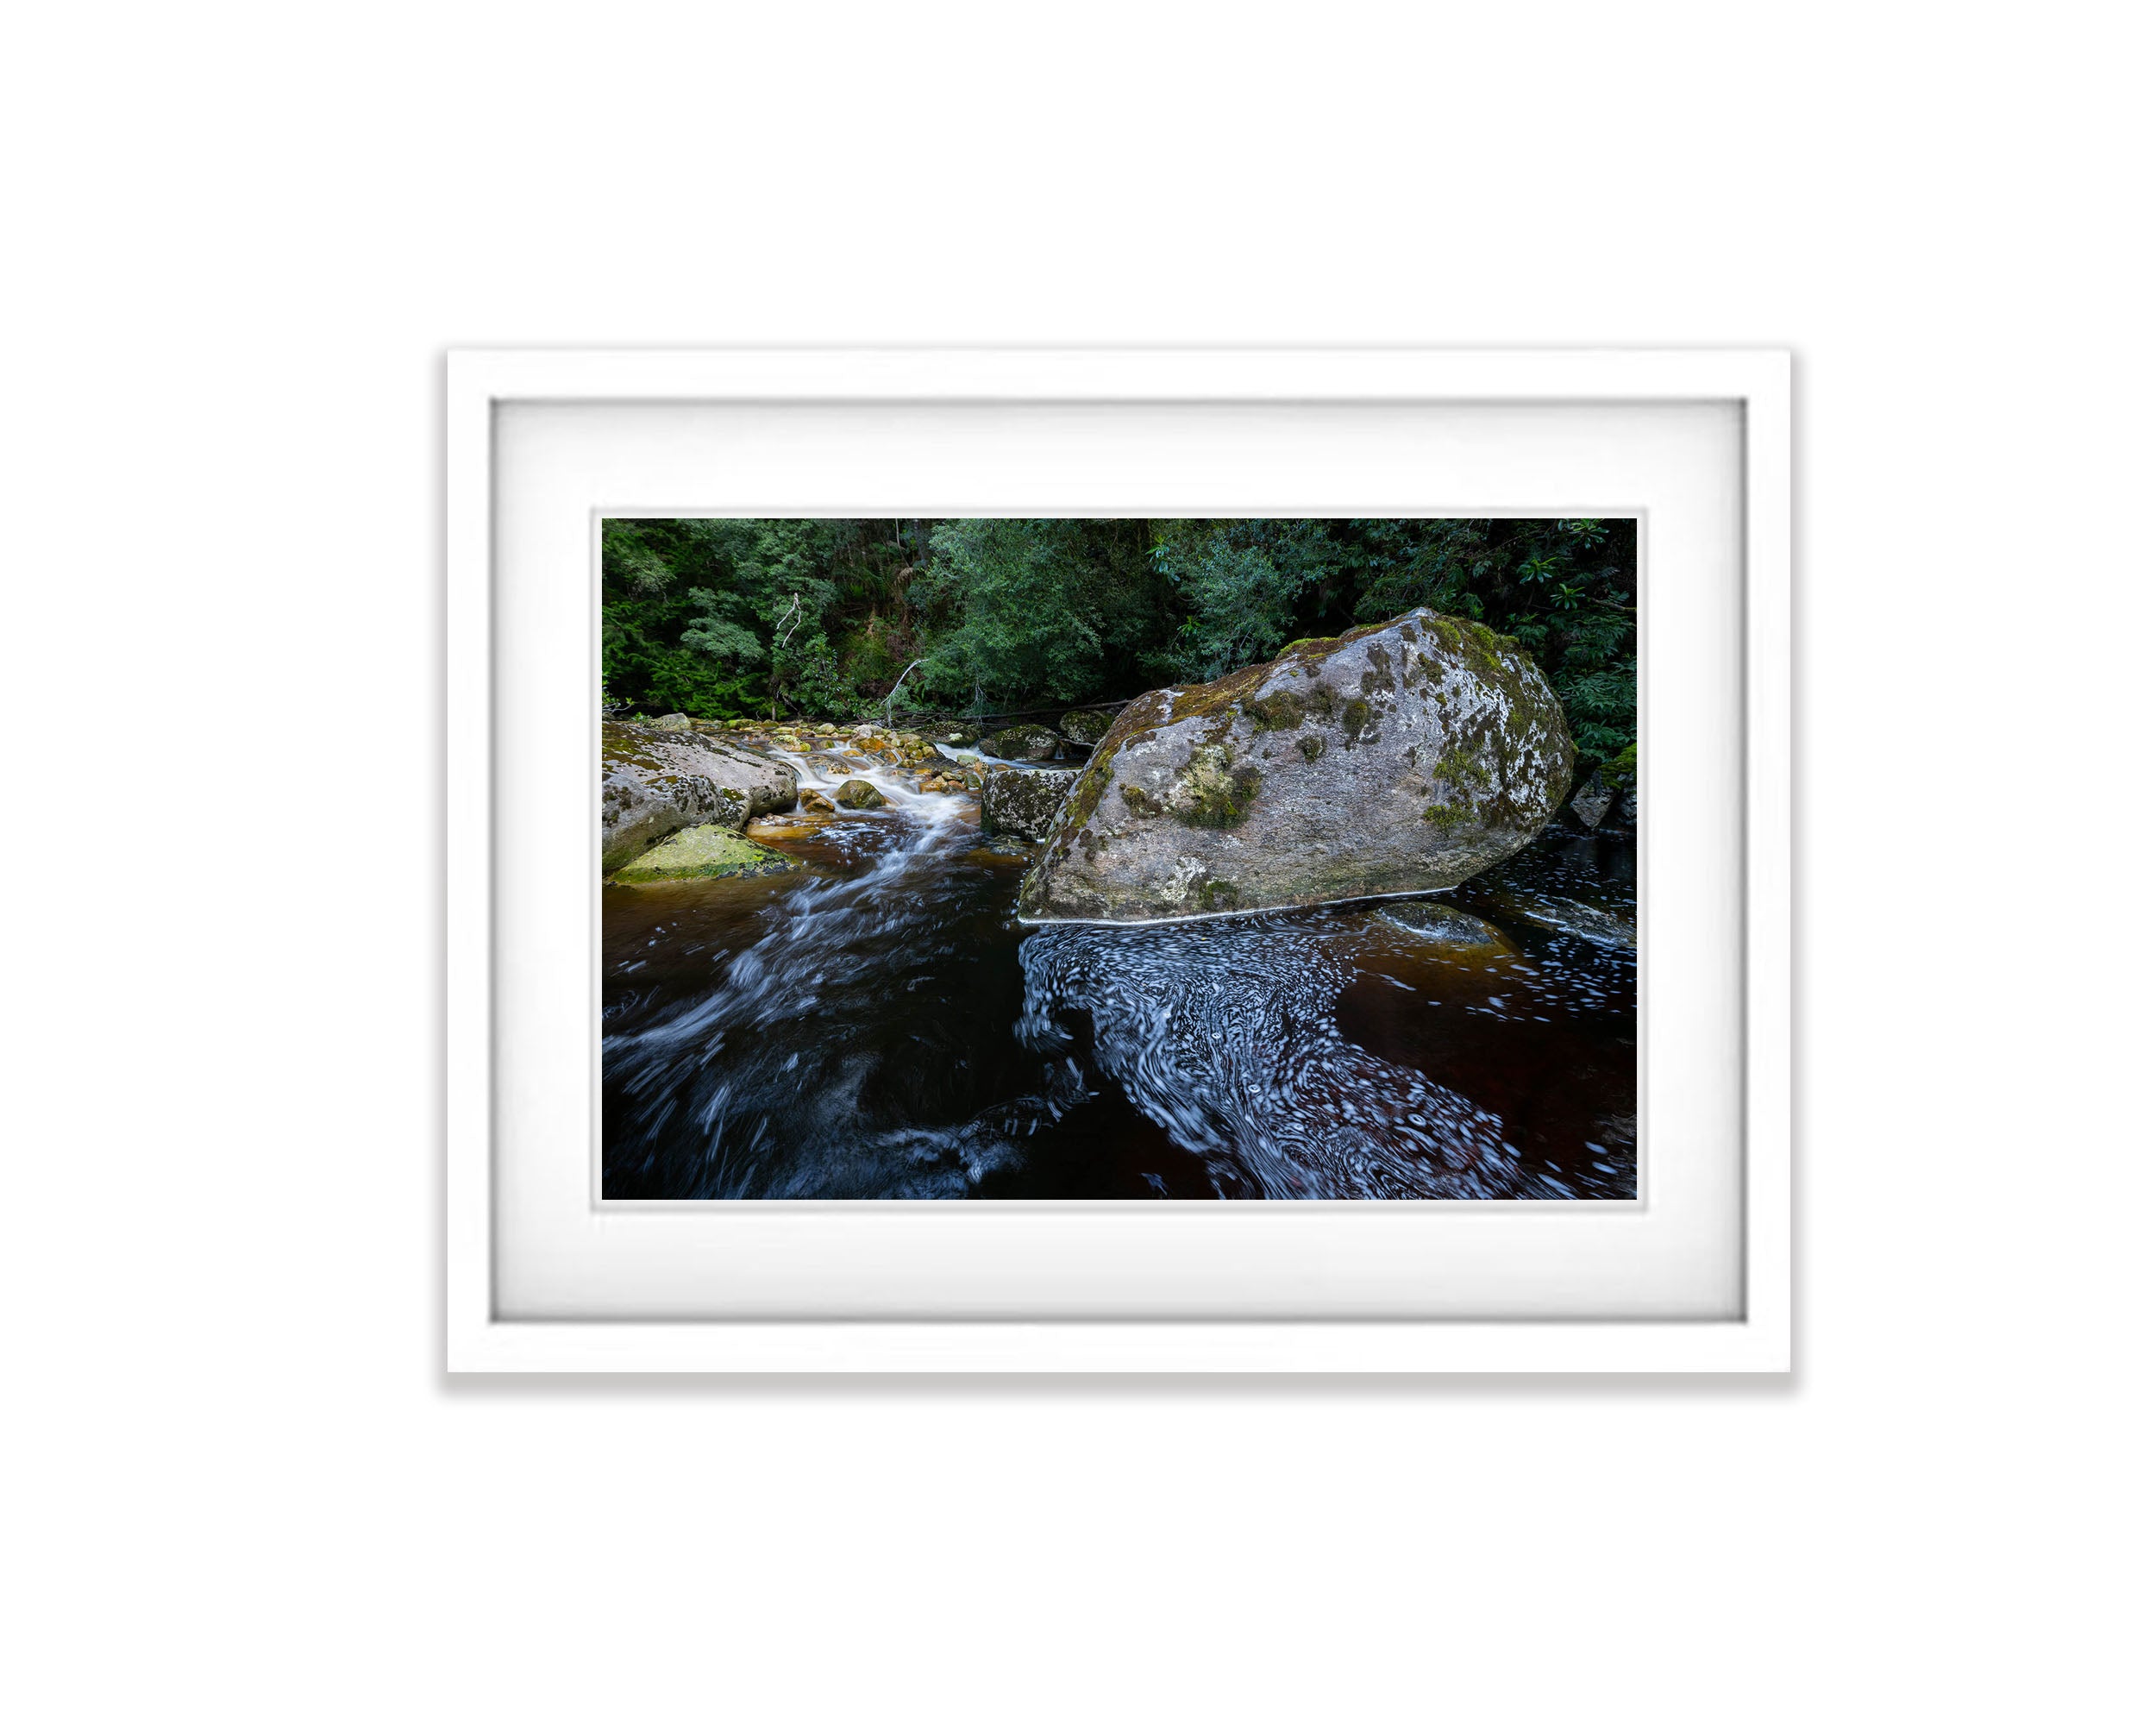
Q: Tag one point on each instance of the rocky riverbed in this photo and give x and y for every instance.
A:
(868, 1016)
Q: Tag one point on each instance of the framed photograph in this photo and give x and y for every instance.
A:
(1084, 860)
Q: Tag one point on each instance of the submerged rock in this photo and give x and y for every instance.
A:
(859, 793)
(1402, 758)
(1023, 804)
(1564, 916)
(815, 802)
(703, 852)
(1086, 728)
(1023, 743)
(1004, 850)
(1446, 926)
(653, 783)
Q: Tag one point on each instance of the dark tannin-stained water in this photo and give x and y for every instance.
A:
(881, 1026)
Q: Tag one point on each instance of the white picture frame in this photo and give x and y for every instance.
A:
(1552, 401)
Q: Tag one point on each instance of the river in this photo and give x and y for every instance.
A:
(881, 1026)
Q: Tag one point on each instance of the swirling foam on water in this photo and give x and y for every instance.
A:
(765, 1073)
(1223, 1032)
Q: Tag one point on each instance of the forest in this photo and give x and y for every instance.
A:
(844, 619)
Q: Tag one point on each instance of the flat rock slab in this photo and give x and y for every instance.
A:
(1403, 758)
(655, 780)
(706, 852)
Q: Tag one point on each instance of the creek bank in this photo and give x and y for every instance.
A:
(1402, 758)
(656, 779)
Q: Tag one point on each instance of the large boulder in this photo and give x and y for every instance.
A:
(1023, 743)
(1402, 757)
(859, 793)
(653, 782)
(1023, 804)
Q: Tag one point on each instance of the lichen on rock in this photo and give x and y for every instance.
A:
(653, 781)
(1453, 755)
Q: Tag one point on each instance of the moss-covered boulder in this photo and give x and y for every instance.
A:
(706, 852)
(653, 782)
(1402, 757)
(1021, 805)
(1086, 728)
(1023, 743)
(859, 793)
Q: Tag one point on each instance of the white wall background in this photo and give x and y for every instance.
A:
(240, 1488)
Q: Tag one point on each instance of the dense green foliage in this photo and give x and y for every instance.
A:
(721, 618)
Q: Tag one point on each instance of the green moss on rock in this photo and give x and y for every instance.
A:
(705, 852)
(1460, 766)
(1216, 790)
(1220, 698)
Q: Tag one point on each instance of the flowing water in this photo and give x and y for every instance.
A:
(881, 1026)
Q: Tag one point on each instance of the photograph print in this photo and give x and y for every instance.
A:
(1116, 859)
